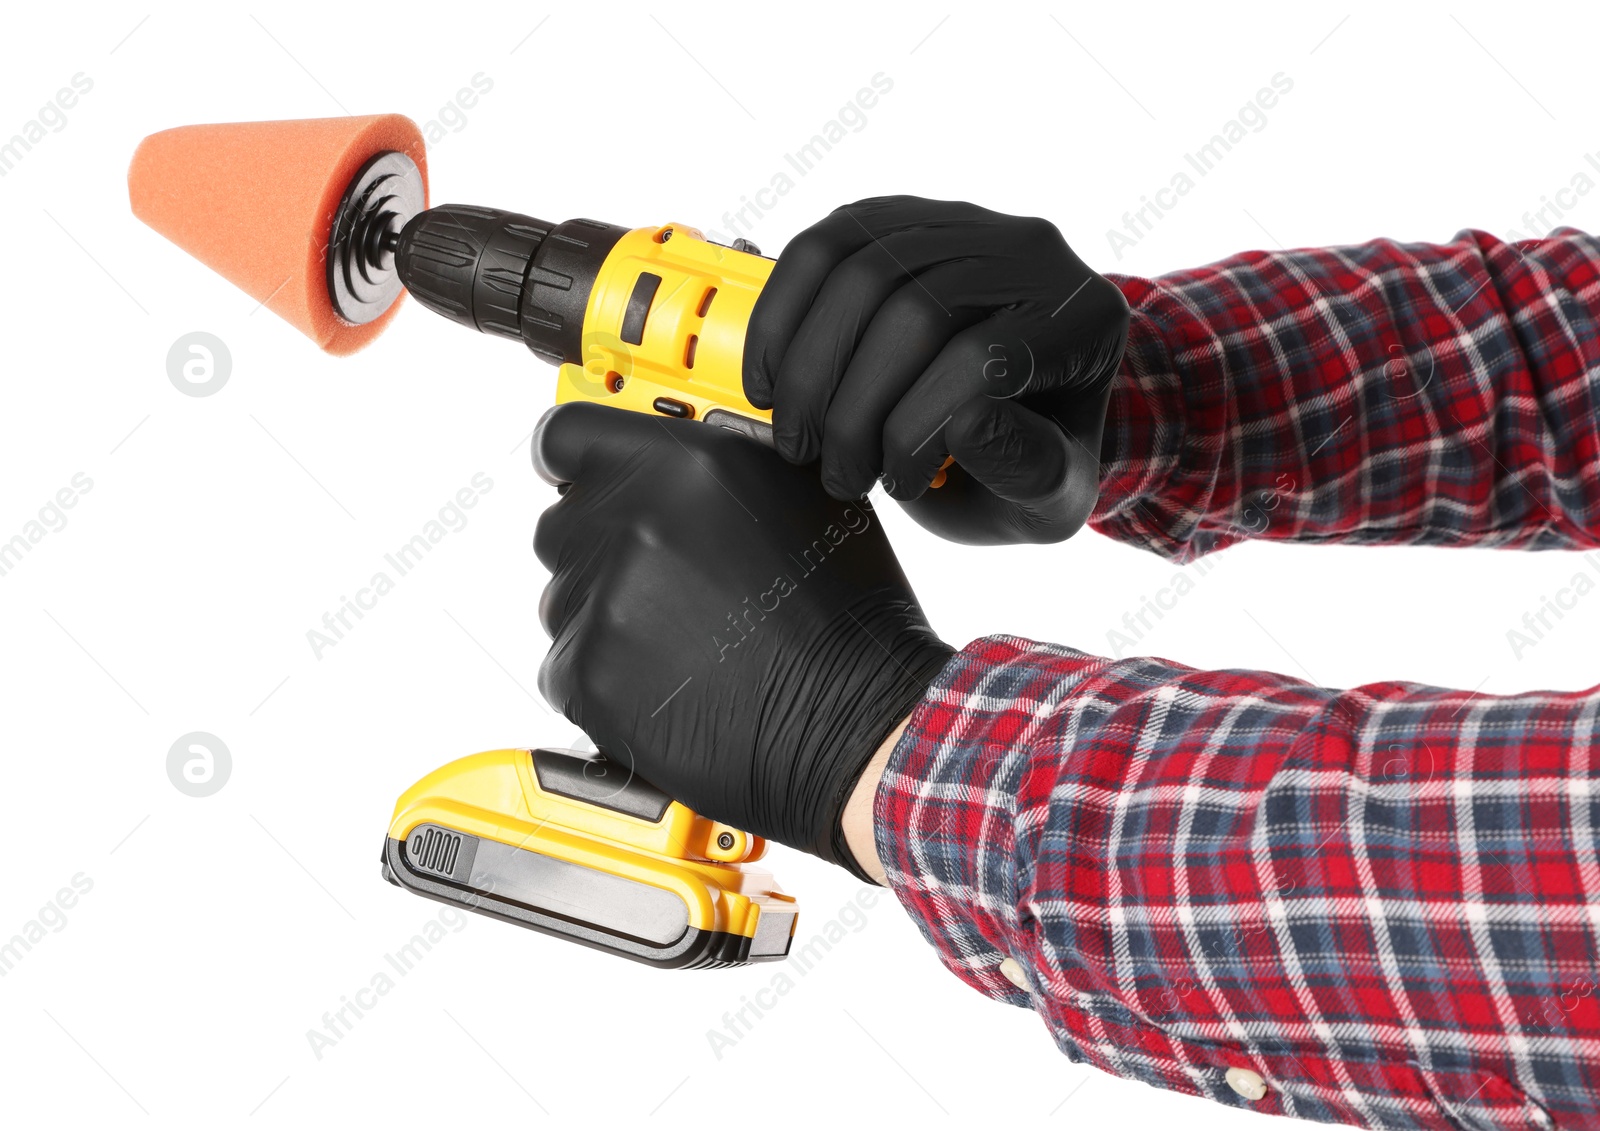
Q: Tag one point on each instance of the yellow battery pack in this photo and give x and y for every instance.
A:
(574, 845)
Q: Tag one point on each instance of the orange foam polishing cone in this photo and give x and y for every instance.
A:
(255, 202)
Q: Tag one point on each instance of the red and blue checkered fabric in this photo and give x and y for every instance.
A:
(1386, 393)
(1384, 901)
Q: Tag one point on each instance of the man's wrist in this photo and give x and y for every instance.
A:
(857, 823)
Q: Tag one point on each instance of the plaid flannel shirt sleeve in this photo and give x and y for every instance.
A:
(1385, 393)
(1384, 902)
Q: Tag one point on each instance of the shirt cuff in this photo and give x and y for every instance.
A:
(975, 754)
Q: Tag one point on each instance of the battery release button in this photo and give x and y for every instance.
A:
(666, 406)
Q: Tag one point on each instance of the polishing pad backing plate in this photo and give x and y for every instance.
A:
(362, 280)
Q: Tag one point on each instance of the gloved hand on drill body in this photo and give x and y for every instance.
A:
(899, 330)
(719, 624)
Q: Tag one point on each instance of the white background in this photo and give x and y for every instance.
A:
(220, 529)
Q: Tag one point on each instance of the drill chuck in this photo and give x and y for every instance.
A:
(505, 273)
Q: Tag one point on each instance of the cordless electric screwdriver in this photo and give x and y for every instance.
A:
(326, 223)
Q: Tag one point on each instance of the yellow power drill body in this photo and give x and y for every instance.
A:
(680, 306)
(649, 319)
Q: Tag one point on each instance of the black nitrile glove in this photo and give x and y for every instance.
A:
(719, 624)
(898, 331)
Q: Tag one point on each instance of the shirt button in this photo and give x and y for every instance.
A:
(1012, 971)
(1248, 1084)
